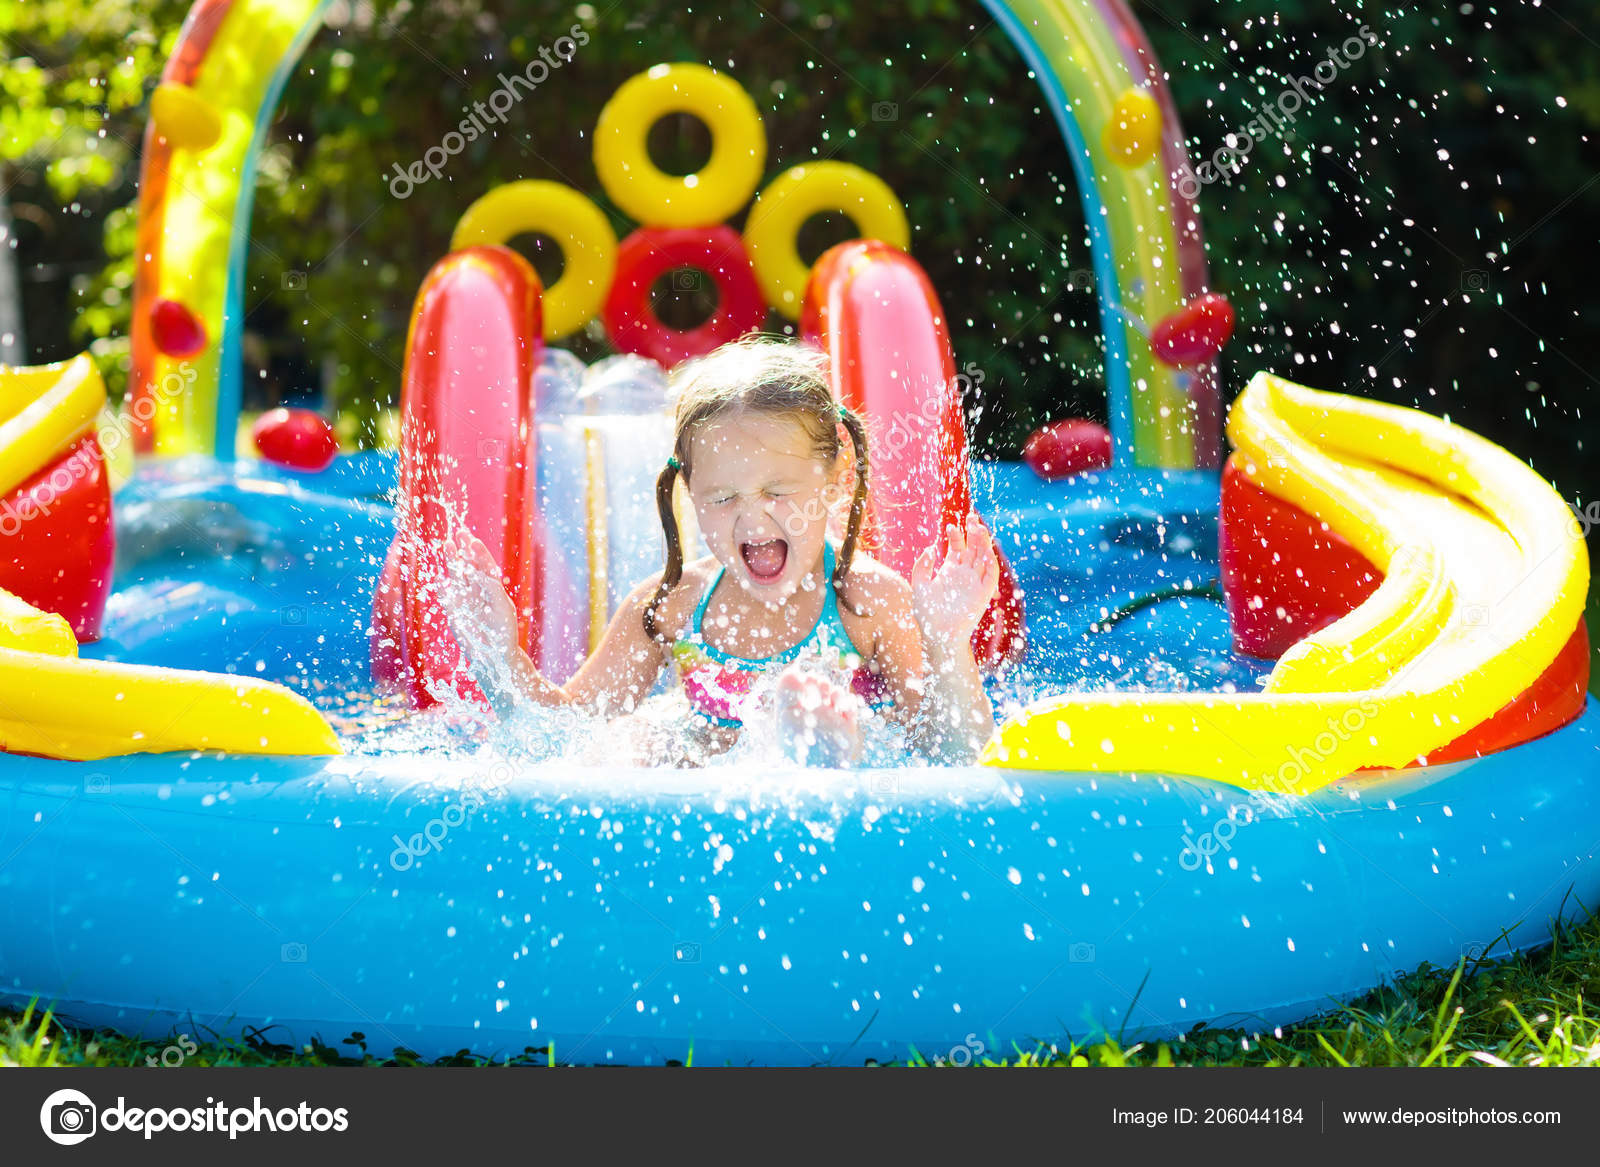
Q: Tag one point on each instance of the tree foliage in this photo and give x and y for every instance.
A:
(1417, 233)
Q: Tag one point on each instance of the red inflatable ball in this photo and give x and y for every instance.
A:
(176, 330)
(1196, 333)
(1071, 446)
(650, 253)
(300, 439)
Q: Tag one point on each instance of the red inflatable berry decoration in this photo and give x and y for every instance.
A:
(1195, 333)
(176, 330)
(1064, 448)
(300, 439)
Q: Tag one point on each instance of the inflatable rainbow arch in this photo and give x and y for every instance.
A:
(234, 57)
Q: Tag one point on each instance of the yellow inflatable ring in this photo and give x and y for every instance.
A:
(588, 244)
(649, 194)
(771, 234)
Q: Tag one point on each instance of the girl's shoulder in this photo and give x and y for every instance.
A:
(873, 590)
(697, 577)
(676, 609)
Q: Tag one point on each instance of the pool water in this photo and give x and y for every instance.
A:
(245, 568)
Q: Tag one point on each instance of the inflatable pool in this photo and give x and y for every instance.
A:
(1273, 730)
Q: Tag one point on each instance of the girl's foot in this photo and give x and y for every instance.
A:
(819, 722)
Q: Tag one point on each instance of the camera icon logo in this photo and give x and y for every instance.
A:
(293, 953)
(97, 784)
(68, 1117)
(885, 111)
(1474, 280)
(294, 281)
(1277, 453)
(883, 783)
(687, 279)
(294, 614)
(687, 952)
(1081, 952)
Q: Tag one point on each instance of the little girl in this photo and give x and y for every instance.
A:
(757, 441)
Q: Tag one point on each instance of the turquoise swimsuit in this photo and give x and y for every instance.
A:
(717, 682)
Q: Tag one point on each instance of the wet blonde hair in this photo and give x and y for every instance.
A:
(773, 377)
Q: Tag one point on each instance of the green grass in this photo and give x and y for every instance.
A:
(1529, 1010)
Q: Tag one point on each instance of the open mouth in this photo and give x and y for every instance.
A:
(765, 561)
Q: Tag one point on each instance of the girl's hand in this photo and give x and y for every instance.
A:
(950, 598)
(481, 614)
(819, 721)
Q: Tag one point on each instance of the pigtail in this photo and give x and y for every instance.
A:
(858, 503)
(673, 572)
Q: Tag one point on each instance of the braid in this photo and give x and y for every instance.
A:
(673, 572)
(858, 502)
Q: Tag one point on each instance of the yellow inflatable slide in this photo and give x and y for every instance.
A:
(1484, 582)
(54, 704)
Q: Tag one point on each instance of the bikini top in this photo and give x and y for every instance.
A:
(717, 682)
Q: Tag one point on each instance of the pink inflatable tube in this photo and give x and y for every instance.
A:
(871, 307)
(466, 446)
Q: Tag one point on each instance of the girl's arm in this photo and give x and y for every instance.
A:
(949, 599)
(924, 644)
(619, 673)
(615, 678)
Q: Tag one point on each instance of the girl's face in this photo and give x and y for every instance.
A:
(761, 498)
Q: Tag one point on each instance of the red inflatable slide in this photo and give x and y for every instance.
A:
(466, 424)
(56, 538)
(873, 310)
